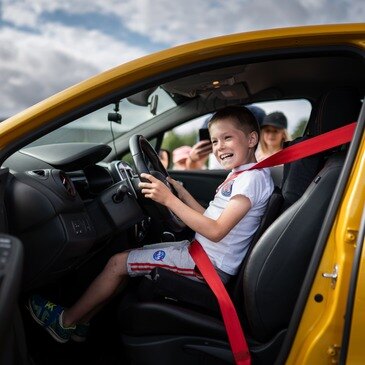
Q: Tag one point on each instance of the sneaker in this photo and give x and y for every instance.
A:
(49, 315)
(81, 332)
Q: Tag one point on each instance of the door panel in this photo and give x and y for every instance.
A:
(201, 184)
(11, 264)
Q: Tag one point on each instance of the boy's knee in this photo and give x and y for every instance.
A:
(119, 262)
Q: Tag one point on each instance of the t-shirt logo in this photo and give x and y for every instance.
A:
(227, 188)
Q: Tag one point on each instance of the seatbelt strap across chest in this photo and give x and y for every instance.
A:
(303, 149)
(309, 147)
(292, 153)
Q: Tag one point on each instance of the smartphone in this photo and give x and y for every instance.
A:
(204, 134)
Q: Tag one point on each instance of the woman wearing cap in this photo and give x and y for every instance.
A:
(273, 134)
(180, 156)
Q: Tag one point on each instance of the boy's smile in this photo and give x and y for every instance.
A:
(231, 146)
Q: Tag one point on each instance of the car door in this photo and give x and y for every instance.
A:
(201, 184)
(352, 349)
(12, 344)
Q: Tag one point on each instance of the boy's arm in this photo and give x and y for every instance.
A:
(185, 196)
(212, 229)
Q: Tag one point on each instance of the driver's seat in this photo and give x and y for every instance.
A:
(272, 276)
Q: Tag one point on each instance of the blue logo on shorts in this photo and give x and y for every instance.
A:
(159, 255)
(227, 188)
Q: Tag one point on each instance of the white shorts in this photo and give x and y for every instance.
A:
(173, 256)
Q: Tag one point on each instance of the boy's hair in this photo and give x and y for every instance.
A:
(245, 119)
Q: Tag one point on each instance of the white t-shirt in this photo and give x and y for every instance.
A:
(256, 185)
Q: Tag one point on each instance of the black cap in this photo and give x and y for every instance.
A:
(276, 119)
(257, 112)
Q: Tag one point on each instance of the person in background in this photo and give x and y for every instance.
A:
(198, 155)
(180, 156)
(273, 134)
(165, 157)
(258, 112)
(200, 151)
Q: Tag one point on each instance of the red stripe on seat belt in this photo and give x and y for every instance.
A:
(309, 147)
(292, 153)
(303, 149)
(230, 318)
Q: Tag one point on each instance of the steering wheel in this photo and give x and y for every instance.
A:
(146, 160)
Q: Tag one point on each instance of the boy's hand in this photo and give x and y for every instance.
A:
(181, 191)
(155, 189)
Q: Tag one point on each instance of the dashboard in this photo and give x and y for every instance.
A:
(64, 204)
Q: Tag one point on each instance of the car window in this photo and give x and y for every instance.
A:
(107, 123)
(297, 113)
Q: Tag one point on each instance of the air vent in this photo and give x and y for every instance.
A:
(68, 185)
(43, 174)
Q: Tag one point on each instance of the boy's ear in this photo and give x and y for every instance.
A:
(253, 139)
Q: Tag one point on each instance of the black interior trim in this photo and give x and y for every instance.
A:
(322, 239)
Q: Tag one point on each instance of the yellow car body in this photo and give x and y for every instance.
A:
(172, 59)
(319, 336)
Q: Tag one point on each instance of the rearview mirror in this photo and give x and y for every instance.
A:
(141, 98)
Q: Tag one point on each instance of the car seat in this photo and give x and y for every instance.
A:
(268, 284)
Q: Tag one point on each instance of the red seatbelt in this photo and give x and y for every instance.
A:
(309, 147)
(230, 318)
(303, 149)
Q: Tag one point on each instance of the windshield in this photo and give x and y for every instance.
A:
(96, 127)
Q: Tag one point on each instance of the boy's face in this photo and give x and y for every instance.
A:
(231, 146)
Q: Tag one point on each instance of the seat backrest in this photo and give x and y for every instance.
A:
(270, 277)
(274, 269)
(273, 210)
(297, 175)
(335, 109)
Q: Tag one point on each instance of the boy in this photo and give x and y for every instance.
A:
(224, 229)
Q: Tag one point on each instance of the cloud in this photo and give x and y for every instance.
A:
(47, 45)
(37, 64)
(33, 68)
(173, 22)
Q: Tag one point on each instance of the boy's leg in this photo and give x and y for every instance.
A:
(60, 322)
(93, 312)
(173, 256)
(100, 291)
(115, 273)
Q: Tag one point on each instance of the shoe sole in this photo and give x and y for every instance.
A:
(48, 329)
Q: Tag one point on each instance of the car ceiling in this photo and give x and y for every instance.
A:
(305, 77)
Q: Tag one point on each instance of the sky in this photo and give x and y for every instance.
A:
(48, 45)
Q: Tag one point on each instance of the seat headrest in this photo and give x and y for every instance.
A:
(336, 108)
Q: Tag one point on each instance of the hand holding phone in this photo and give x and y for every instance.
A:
(204, 134)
